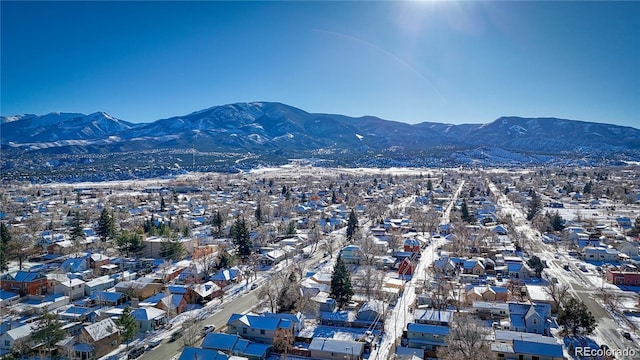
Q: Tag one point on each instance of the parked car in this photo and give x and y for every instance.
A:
(154, 343)
(135, 353)
(208, 328)
(175, 336)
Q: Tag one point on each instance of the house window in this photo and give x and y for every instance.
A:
(7, 343)
(261, 332)
(244, 330)
(535, 321)
(535, 358)
(501, 356)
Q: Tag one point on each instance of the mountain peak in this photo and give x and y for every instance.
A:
(262, 127)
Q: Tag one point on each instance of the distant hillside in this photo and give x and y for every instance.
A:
(274, 132)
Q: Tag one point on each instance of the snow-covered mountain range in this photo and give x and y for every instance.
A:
(267, 128)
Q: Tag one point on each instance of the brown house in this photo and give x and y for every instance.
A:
(140, 288)
(97, 260)
(173, 303)
(63, 247)
(25, 283)
(486, 293)
(102, 338)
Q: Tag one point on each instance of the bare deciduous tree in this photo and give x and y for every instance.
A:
(191, 331)
(270, 291)
(515, 288)
(467, 339)
(611, 298)
(557, 292)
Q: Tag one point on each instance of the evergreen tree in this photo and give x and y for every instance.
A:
(429, 185)
(534, 205)
(77, 232)
(163, 205)
(466, 216)
(106, 227)
(128, 326)
(284, 190)
(291, 229)
(48, 331)
(575, 318)
(172, 249)
(352, 225)
(129, 243)
(557, 222)
(224, 260)
(5, 240)
(536, 264)
(241, 239)
(258, 214)
(341, 289)
(217, 222)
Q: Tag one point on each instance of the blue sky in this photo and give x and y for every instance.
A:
(452, 62)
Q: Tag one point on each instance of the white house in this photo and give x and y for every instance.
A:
(8, 339)
(73, 288)
(600, 254)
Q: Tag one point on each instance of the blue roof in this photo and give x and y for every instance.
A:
(256, 350)
(226, 274)
(146, 314)
(26, 276)
(4, 295)
(469, 264)
(106, 296)
(259, 322)
(190, 353)
(284, 324)
(412, 242)
(291, 317)
(175, 289)
(219, 341)
(78, 311)
(154, 299)
(536, 348)
(514, 267)
(74, 264)
(428, 329)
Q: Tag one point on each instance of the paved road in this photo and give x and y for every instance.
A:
(608, 327)
(242, 304)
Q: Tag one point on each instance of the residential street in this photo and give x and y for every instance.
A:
(608, 327)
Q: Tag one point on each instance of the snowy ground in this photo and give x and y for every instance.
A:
(399, 316)
(583, 285)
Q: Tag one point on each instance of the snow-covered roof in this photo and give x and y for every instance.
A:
(101, 329)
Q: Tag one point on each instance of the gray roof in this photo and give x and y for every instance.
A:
(101, 329)
(337, 346)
